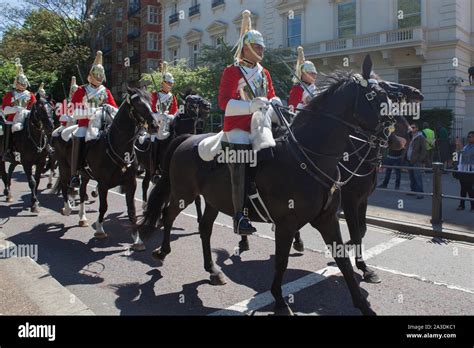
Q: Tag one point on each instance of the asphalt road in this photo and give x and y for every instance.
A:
(420, 276)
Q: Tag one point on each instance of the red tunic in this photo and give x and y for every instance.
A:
(228, 89)
(8, 101)
(78, 98)
(296, 95)
(173, 107)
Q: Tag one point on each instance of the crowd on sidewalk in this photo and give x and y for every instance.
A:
(425, 146)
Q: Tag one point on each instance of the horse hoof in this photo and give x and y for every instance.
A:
(9, 199)
(298, 246)
(218, 279)
(100, 235)
(158, 254)
(244, 245)
(283, 311)
(138, 247)
(49, 186)
(94, 194)
(35, 210)
(83, 223)
(368, 311)
(371, 277)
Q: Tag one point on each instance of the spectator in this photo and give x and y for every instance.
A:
(442, 145)
(416, 157)
(466, 166)
(394, 158)
(430, 142)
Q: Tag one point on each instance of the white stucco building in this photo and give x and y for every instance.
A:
(424, 43)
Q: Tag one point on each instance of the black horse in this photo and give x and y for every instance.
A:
(303, 170)
(109, 160)
(30, 149)
(356, 192)
(190, 121)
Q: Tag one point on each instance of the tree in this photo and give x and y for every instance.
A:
(51, 37)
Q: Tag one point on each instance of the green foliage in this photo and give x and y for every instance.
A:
(7, 74)
(47, 49)
(436, 116)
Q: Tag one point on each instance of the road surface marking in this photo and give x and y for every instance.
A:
(264, 299)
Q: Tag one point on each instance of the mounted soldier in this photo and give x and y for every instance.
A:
(304, 88)
(62, 110)
(86, 100)
(245, 88)
(15, 106)
(165, 107)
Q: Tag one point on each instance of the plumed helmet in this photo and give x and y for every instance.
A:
(97, 72)
(248, 35)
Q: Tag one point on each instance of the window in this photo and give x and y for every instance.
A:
(119, 14)
(293, 30)
(411, 12)
(218, 40)
(410, 77)
(175, 7)
(346, 19)
(118, 34)
(152, 42)
(152, 15)
(152, 64)
(194, 53)
(174, 55)
(119, 57)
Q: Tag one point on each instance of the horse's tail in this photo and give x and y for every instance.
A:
(159, 195)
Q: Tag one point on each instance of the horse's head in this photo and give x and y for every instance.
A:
(352, 96)
(196, 111)
(41, 114)
(398, 92)
(140, 109)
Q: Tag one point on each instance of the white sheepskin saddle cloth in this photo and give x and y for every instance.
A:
(19, 120)
(260, 137)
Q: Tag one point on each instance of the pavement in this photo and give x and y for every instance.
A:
(408, 214)
(420, 275)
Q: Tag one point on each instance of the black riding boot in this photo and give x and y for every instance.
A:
(7, 151)
(75, 161)
(242, 224)
(153, 161)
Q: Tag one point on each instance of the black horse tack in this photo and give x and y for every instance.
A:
(279, 179)
(106, 158)
(30, 144)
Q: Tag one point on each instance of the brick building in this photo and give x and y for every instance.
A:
(130, 39)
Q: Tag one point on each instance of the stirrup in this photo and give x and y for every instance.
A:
(242, 226)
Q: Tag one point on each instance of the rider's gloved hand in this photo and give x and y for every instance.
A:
(257, 104)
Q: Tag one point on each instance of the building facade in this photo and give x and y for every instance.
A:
(131, 41)
(424, 43)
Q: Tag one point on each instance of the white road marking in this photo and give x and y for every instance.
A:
(423, 279)
(266, 298)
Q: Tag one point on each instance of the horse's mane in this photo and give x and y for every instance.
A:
(328, 86)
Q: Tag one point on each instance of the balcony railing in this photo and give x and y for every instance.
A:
(174, 18)
(133, 9)
(216, 3)
(194, 10)
(391, 37)
(133, 33)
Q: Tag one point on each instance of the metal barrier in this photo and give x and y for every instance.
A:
(437, 194)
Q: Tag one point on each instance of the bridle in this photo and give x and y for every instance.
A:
(43, 141)
(111, 152)
(300, 152)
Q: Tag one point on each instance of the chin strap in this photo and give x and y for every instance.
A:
(255, 53)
